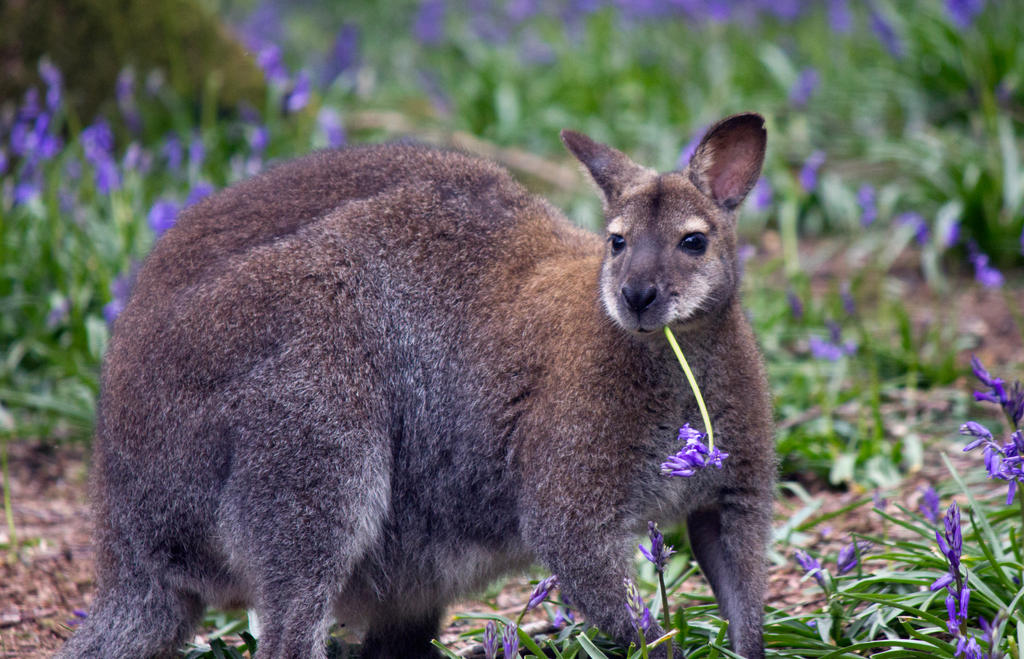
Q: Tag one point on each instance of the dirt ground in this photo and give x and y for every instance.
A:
(47, 584)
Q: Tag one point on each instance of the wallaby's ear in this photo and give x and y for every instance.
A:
(728, 160)
(611, 169)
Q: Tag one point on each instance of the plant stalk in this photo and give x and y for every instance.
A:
(693, 385)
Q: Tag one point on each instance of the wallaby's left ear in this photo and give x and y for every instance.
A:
(728, 160)
(610, 169)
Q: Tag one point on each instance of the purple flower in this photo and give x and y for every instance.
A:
(638, 611)
(846, 296)
(839, 18)
(811, 566)
(172, 151)
(429, 26)
(491, 640)
(986, 275)
(849, 556)
(763, 194)
(162, 216)
(3, 161)
(659, 552)
(885, 33)
(809, 171)
(196, 152)
(962, 12)
(259, 137)
(693, 457)
(563, 617)
(298, 97)
(796, 306)
(343, 53)
(804, 87)
(137, 159)
(918, 223)
(540, 593)
(270, 60)
(952, 236)
(834, 348)
(1012, 400)
(691, 148)
(868, 210)
(930, 504)
(198, 193)
(510, 640)
(54, 83)
(329, 121)
(120, 289)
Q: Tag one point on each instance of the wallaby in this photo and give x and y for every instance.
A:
(369, 381)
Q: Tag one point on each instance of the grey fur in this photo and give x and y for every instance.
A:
(369, 381)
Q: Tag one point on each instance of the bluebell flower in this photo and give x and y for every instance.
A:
(199, 192)
(917, 222)
(952, 236)
(3, 161)
(839, 18)
(329, 121)
(802, 90)
(491, 640)
(343, 54)
(563, 617)
(429, 26)
(272, 63)
(885, 33)
(846, 297)
(172, 151)
(137, 159)
(850, 555)
(298, 97)
(809, 171)
(639, 614)
(866, 199)
(541, 591)
(811, 565)
(162, 216)
(125, 93)
(54, 83)
(659, 552)
(120, 289)
(962, 12)
(985, 274)
(196, 152)
(694, 456)
(510, 640)
(763, 194)
(834, 348)
(796, 306)
(930, 504)
(259, 137)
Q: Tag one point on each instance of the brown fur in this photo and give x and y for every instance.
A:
(369, 381)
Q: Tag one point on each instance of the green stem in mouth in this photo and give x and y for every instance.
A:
(693, 385)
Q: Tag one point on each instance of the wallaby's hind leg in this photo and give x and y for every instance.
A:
(300, 534)
(140, 617)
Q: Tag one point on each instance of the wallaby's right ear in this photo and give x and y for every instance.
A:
(611, 169)
(728, 160)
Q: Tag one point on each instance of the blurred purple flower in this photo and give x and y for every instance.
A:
(344, 53)
(196, 152)
(846, 296)
(98, 140)
(54, 83)
(763, 194)
(272, 63)
(259, 137)
(3, 161)
(25, 191)
(125, 92)
(162, 215)
(120, 289)
(540, 592)
(802, 90)
(172, 151)
(809, 171)
(868, 209)
(510, 640)
(796, 306)
(329, 121)
(930, 504)
(834, 348)
(691, 148)
(521, 10)
(962, 12)
(839, 17)
(885, 32)
(986, 275)
(429, 26)
(952, 236)
(137, 159)
(659, 551)
(878, 500)
(917, 222)
(199, 192)
(811, 566)
(107, 176)
(491, 640)
(298, 97)
(58, 313)
(563, 617)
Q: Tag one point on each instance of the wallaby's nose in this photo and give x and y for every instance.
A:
(639, 298)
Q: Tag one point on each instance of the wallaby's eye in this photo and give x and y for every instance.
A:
(694, 243)
(618, 243)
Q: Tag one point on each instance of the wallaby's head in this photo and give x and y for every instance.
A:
(670, 254)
